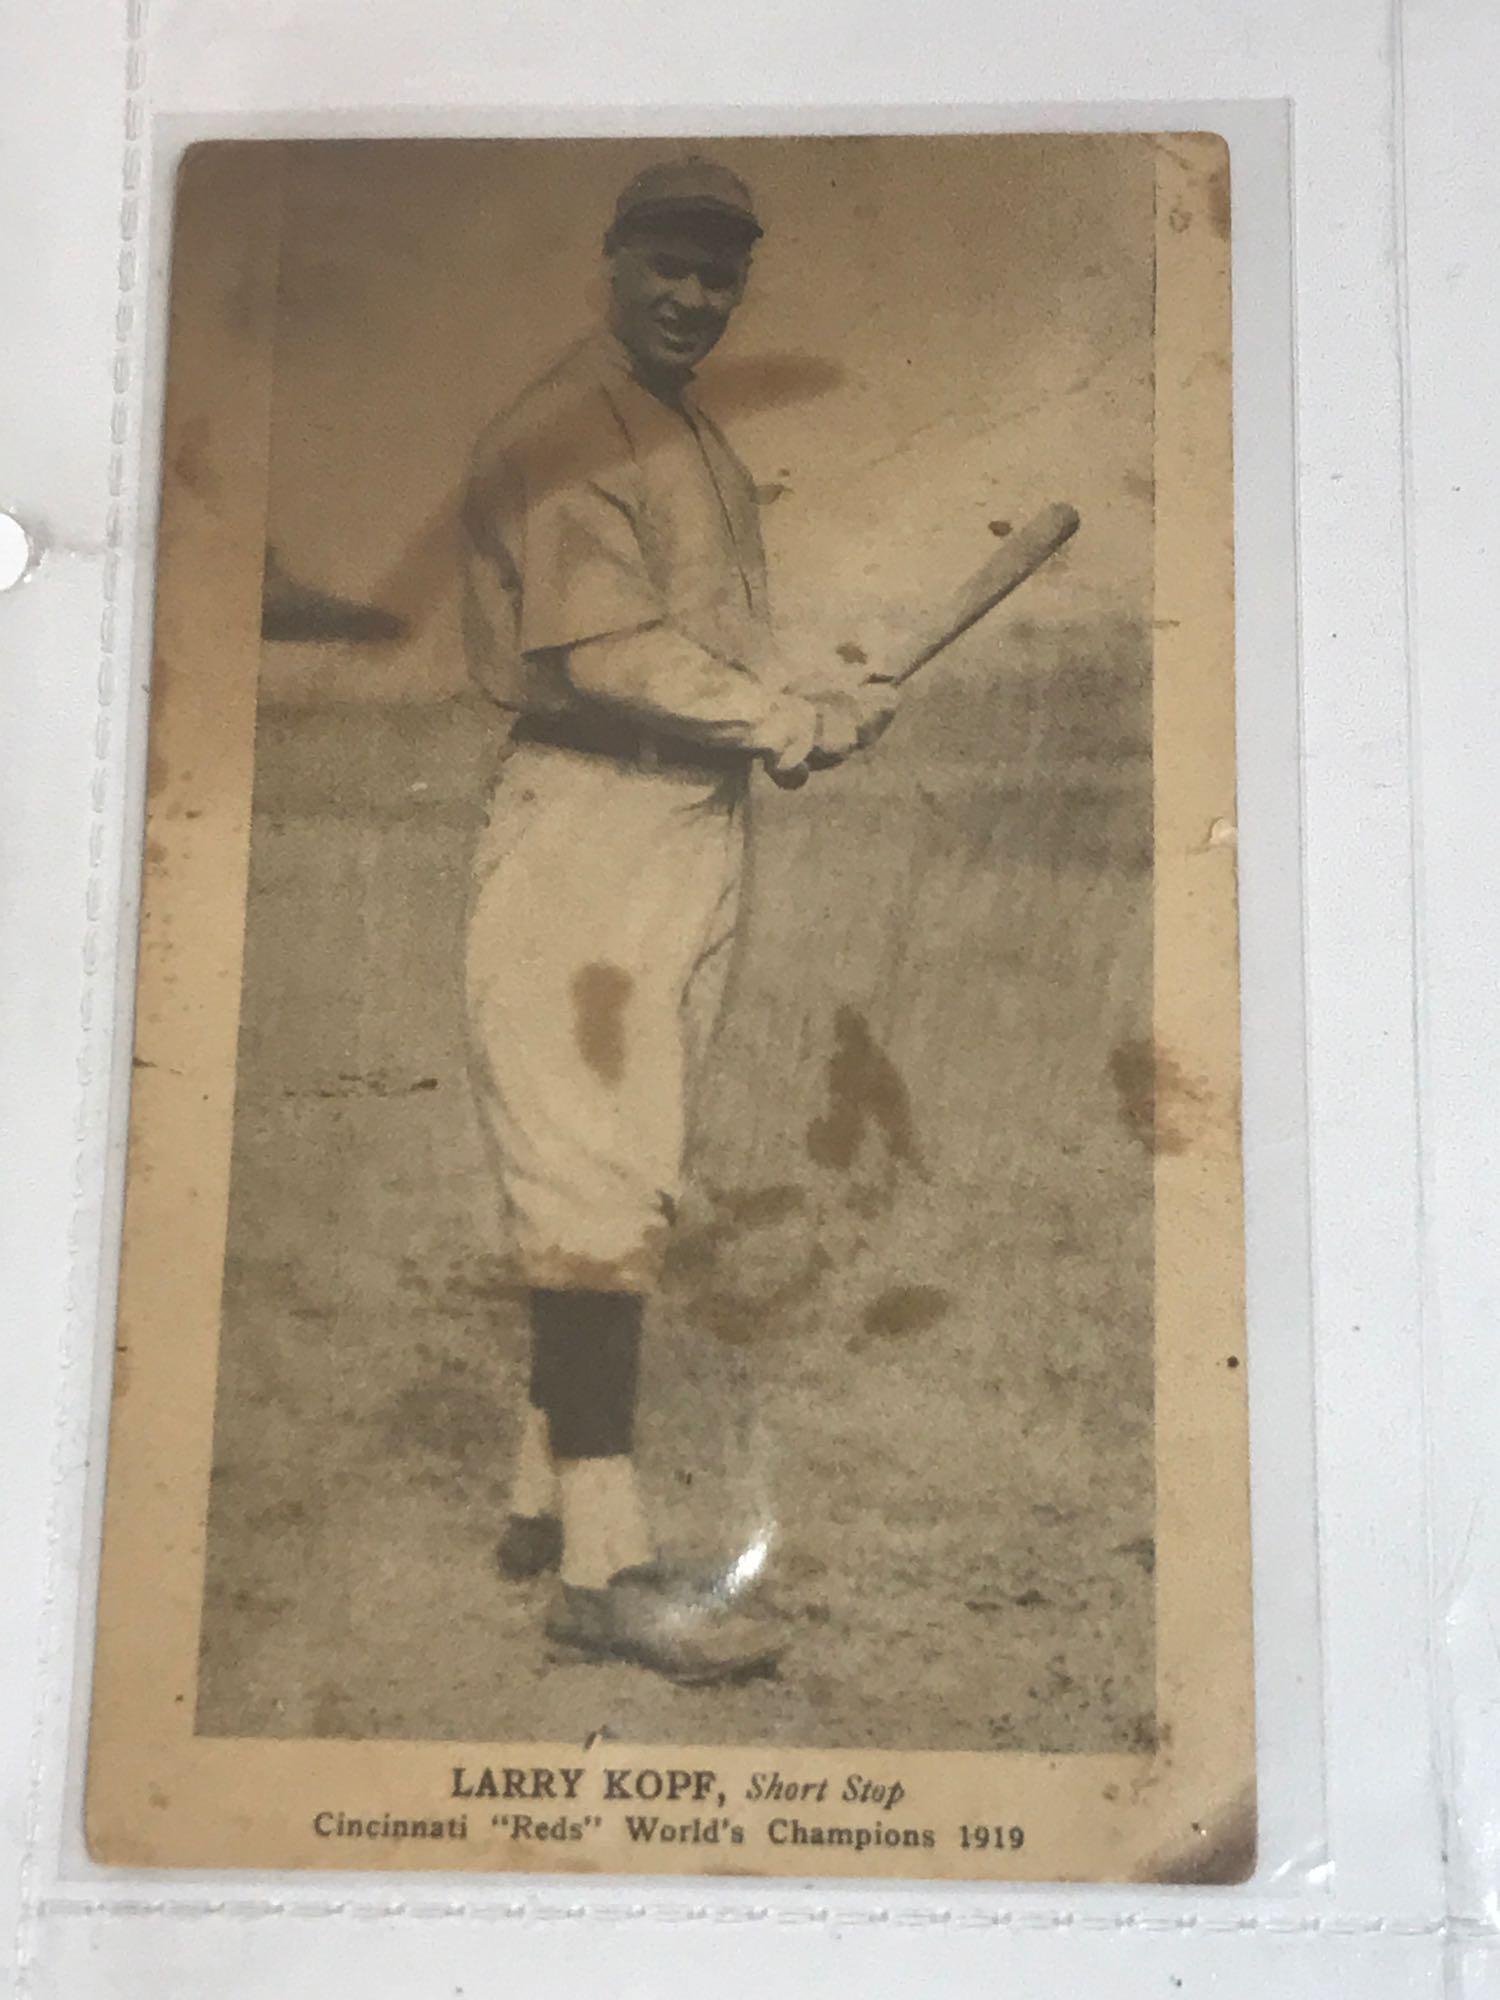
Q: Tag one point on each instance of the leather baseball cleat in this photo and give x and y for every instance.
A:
(651, 1618)
(530, 1546)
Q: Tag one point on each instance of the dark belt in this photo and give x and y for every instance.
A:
(600, 734)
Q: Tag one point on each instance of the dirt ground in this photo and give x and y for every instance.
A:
(907, 1337)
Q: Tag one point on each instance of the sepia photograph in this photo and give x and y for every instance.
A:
(682, 1302)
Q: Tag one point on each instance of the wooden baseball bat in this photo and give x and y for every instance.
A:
(1020, 555)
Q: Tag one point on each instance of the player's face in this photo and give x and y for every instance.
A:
(673, 295)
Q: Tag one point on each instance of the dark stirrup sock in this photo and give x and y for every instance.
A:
(585, 1363)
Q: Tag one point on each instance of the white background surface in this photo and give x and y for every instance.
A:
(1392, 119)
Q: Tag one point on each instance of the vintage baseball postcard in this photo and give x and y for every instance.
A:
(682, 1300)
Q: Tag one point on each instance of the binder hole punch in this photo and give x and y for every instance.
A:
(18, 552)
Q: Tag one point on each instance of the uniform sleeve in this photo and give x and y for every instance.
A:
(583, 573)
(661, 677)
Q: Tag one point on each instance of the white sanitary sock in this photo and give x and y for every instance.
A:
(604, 1527)
(533, 1490)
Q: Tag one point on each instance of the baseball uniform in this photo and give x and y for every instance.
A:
(617, 605)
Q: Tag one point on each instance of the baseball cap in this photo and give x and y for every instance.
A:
(690, 186)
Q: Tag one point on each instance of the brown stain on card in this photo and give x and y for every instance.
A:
(1219, 1848)
(1160, 1103)
(740, 1318)
(192, 461)
(600, 994)
(1216, 198)
(158, 768)
(759, 1207)
(710, 1299)
(902, 1310)
(1210, 184)
(865, 1089)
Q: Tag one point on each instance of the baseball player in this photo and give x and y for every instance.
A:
(616, 605)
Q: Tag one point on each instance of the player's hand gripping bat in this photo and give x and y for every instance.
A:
(1018, 557)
